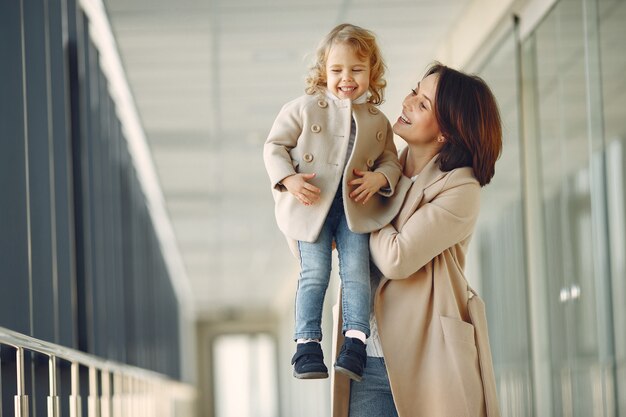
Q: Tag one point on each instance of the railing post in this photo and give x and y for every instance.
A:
(75, 403)
(93, 400)
(129, 396)
(21, 400)
(118, 395)
(54, 409)
(105, 399)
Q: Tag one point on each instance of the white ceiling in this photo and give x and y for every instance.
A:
(209, 77)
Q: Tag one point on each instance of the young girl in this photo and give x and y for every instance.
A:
(332, 162)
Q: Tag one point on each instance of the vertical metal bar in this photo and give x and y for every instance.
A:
(54, 409)
(543, 391)
(21, 400)
(93, 401)
(142, 403)
(105, 399)
(601, 236)
(75, 403)
(134, 397)
(128, 395)
(150, 398)
(118, 392)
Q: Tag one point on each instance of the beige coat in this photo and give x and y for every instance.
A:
(421, 304)
(311, 135)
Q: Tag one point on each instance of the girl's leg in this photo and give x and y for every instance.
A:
(354, 270)
(315, 267)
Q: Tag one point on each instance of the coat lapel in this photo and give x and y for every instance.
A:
(429, 175)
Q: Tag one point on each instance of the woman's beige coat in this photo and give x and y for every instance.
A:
(421, 303)
(311, 135)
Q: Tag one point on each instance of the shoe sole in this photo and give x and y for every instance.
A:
(311, 375)
(349, 373)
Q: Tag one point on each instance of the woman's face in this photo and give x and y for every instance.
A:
(417, 123)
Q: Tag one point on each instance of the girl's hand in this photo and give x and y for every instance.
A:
(367, 185)
(298, 185)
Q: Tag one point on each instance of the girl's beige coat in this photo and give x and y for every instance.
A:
(311, 135)
(421, 303)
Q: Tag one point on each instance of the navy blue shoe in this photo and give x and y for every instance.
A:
(308, 361)
(352, 358)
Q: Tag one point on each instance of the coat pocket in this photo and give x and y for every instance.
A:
(462, 355)
(455, 330)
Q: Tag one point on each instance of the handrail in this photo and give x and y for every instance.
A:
(123, 387)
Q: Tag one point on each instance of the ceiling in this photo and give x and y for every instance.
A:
(208, 78)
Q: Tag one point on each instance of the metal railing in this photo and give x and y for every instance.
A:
(115, 389)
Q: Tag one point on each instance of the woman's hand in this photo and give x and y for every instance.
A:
(367, 184)
(299, 186)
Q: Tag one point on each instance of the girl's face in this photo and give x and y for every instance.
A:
(347, 75)
(417, 124)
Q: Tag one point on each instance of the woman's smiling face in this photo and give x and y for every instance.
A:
(417, 124)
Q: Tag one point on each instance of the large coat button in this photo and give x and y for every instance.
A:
(322, 103)
(307, 157)
(370, 163)
(380, 136)
(373, 110)
(315, 128)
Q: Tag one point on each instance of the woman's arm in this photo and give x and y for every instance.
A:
(437, 225)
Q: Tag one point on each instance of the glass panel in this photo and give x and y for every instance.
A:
(500, 239)
(573, 209)
(612, 15)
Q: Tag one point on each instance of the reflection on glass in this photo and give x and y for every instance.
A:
(500, 240)
(573, 228)
(613, 65)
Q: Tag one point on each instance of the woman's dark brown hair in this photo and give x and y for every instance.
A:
(468, 118)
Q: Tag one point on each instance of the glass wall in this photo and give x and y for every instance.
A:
(552, 255)
(612, 15)
(500, 240)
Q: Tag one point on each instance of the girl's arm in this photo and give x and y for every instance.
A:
(436, 226)
(388, 165)
(383, 179)
(282, 138)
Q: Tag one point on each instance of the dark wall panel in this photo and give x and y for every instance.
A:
(14, 239)
(58, 41)
(38, 139)
(80, 260)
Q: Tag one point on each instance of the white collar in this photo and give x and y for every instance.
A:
(360, 100)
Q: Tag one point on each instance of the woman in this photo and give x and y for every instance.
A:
(429, 353)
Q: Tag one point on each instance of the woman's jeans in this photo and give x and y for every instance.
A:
(315, 267)
(372, 396)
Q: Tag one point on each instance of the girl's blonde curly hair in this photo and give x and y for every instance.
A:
(364, 43)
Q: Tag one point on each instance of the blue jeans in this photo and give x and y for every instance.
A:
(372, 396)
(315, 267)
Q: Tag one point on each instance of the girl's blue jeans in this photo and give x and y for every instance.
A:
(315, 267)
